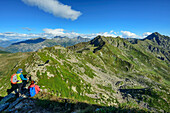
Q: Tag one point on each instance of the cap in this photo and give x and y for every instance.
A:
(19, 69)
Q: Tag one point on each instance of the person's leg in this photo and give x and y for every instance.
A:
(13, 88)
(19, 88)
(24, 84)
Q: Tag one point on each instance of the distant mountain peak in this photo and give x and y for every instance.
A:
(78, 37)
(98, 42)
(5, 43)
(60, 37)
(155, 35)
(34, 40)
(38, 38)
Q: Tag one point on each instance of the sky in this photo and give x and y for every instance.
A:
(24, 19)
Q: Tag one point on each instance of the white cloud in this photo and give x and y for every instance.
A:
(26, 28)
(19, 36)
(111, 31)
(50, 33)
(55, 7)
(146, 34)
(128, 34)
(61, 32)
(54, 31)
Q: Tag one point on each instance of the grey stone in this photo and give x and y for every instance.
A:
(97, 109)
(5, 99)
(3, 106)
(45, 90)
(20, 105)
(13, 104)
(30, 111)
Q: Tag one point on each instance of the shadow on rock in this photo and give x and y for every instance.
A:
(10, 104)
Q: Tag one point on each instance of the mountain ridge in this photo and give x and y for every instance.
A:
(5, 43)
(35, 40)
(39, 43)
(106, 71)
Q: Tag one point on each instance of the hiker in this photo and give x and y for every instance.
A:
(20, 78)
(33, 89)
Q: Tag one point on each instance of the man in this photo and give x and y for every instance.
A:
(20, 78)
(36, 87)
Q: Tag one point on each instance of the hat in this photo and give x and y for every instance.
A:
(19, 69)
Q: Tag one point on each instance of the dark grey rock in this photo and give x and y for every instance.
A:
(5, 99)
(3, 106)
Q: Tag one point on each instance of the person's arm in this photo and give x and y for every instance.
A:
(22, 77)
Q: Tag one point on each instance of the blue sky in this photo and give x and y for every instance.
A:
(127, 18)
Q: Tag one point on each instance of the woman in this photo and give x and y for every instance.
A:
(33, 89)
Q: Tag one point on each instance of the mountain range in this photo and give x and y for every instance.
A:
(155, 43)
(5, 43)
(39, 43)
(105, 71)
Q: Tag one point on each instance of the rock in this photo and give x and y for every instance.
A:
(3, 106)
(5, 99)
(16, 111)
(106, 96)
(13, 104)
(129, 96)
(50, 75)
(119, 83)
(45, 90)
(127, 80)
(20, 105)
(11, 110)
(31, 111)
(74, 89)
(97, 109)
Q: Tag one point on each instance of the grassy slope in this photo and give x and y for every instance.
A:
(7, 62)
(118, 60)
(76, 75)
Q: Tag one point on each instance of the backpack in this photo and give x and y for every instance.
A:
(32, 91)
(14, 79)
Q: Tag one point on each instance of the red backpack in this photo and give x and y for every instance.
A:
(14, 79)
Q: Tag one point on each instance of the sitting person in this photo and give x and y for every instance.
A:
(33, 89)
